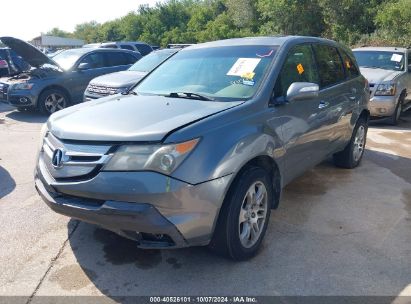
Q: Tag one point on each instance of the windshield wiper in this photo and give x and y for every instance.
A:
(189, 95)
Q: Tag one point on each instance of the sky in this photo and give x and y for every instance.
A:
(26, 19)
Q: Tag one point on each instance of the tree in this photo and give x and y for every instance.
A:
(291, 17)
(88, 31)
(394, 21)
(59, 33)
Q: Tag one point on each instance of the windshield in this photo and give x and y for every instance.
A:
(67, 59)
(233, 72)
(380, 59)
(151, 61)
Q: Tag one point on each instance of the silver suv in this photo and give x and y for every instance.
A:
(198, 152)
(388, 70)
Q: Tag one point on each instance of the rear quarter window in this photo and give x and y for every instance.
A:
(144, 49)
(329, 64)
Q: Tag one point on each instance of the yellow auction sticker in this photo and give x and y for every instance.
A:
(300, 68)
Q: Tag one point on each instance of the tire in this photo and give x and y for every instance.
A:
(352, 155)
(52, 100)
(235, 234)
(395, 118)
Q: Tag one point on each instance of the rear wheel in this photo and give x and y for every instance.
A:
(351, 156)
(52, 100)
(244, 216)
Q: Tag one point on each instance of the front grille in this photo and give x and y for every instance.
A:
(101, 90)
(76, 159)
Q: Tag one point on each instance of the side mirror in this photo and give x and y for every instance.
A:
(302, 90)
(84, 66)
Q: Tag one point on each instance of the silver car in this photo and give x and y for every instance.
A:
(388, 70)
(120, 82)
(199, 151)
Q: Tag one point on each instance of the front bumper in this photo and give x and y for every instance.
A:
(382, 106)
(155, 210)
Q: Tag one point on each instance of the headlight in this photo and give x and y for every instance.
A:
(43, 133)
(23, 86)
(121, 90)
(161, 158)
(385, 89)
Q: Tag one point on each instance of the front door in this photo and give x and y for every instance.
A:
(302, 127)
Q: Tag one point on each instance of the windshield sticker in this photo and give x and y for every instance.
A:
(248, 76)
(266, 55)
(243, 66)
(396, 57)
(300, 68)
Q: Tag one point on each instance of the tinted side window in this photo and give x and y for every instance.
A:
(127, 47)
(116, 59)
(143, 49)
(130, 59)
(329, 65)
(95, 60)
(299, 66)
(351, 69)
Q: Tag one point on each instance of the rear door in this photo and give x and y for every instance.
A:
(119, 61)
(335, 94)
(301, 128)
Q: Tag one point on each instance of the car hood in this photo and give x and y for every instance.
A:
(130, 118)
(377, 76)
(29, 53)
(119, 79)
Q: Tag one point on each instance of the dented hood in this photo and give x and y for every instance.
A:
(130, 118)
(29, 53)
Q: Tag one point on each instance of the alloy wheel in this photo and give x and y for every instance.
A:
(253, 214)
(359, 143)
(55, 102)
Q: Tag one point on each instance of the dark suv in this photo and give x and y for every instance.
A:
(55, 83)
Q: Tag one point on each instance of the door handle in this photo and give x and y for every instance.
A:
(323, 104)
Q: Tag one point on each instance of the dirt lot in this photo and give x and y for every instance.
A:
(337, 232)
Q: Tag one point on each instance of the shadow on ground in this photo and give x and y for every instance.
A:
(313, 246)
(27, 116)
(7, 183)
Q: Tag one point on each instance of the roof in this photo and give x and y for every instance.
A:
(382, 49)
(267, 40)
(89, 50)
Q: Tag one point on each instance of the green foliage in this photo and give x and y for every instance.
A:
(59, 33)
(192, 21)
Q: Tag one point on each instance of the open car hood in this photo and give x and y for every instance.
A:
(29, 53)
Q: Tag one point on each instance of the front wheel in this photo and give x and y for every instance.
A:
(395, 118)
(351, 156)
(52, 100)
(244, 216)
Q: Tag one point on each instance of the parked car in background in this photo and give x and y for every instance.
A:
(388, 70)
(138, 46)
(121, 82)
(198, 152)
(55, 83)
(11, 63)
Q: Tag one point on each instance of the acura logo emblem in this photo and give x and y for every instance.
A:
(58, 158)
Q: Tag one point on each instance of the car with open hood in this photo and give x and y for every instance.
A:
(199, 151)
(123, 81)
(55, 83)
(388, 70)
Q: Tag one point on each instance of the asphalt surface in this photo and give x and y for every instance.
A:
(336, 232)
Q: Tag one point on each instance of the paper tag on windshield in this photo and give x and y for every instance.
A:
(243, 66)
(396, 57)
